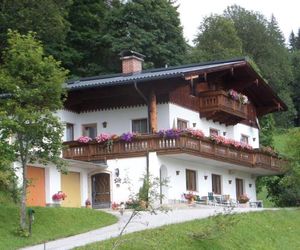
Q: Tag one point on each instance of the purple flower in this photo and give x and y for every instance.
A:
(128, 137)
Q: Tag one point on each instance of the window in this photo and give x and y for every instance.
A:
(239, 183)
(213, 131)
(89, 130)
(216, 183)
(181, 124)
(191, 180)
(70, 132)
(245, 139)
(140, 126)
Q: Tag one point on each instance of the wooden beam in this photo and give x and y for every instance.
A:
(152, 111)
(191, 77)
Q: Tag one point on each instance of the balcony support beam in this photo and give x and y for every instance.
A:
(152, 111)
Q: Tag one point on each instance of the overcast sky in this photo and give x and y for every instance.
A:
(193, 11)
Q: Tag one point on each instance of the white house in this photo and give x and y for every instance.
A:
(222, 99)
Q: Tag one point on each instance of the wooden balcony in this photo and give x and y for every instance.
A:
(218, 106)
(203, 147)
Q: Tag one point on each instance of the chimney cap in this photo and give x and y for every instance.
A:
(127, 53)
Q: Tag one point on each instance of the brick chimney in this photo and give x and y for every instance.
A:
(131, 62)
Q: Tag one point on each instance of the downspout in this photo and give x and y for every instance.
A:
(146, 101)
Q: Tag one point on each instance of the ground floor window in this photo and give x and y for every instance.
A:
(239, 183)
(191, 180)
(216, 184)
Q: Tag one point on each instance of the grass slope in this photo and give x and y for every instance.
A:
(49, 224)
(262, 230)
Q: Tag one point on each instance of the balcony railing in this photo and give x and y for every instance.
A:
(203, 147)
(218, 106)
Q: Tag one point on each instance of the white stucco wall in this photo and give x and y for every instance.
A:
(131, 171)
(233, 132)
(177, 183)
(119, 121)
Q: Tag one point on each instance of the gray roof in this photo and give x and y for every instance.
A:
(148, 75)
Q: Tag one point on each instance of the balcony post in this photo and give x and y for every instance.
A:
(152, 112)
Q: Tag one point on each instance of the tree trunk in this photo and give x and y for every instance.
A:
(23, 197)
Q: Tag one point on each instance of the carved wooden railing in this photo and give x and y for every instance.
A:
(203, 147)
(214, 101)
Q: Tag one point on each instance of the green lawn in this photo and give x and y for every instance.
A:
(262, 230)
(49, 224)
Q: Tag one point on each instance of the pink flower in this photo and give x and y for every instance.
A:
(84, 139)
(103, 137)
(59, 196)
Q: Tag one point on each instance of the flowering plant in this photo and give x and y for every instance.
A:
(59, 196)
(127, 137)
(189, 196)
(195, 133)
(243, 198)
(170, 133)
(222, 140)
(238, 96)
(103, 137)
(88, 202)
(84, 139)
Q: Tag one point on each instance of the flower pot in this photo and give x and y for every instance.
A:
(88, 206)
(56, 203)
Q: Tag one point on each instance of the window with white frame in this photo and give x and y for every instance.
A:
(191, 180)
(70, 132)
(182, 124)
(245, 139)
(89, 130)
(213, 132)
(140, 126)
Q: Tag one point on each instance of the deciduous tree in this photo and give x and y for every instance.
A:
(34, 83)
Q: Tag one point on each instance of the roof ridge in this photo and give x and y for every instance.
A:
(155, 70)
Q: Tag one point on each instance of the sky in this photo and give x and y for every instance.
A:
(285, 11)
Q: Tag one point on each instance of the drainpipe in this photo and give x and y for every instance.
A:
(146, 101)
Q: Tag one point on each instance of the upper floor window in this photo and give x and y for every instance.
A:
(191, 180)
(140, 126)
(182, 124)
(70, 132)
(245, 139)
(213, 132)
(89, 130)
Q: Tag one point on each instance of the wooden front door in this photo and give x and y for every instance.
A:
(239, 184)
(101, 190)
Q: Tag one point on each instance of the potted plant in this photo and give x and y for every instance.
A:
(58, 197)
(243, 199)
(88, 203)
(190, 197)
